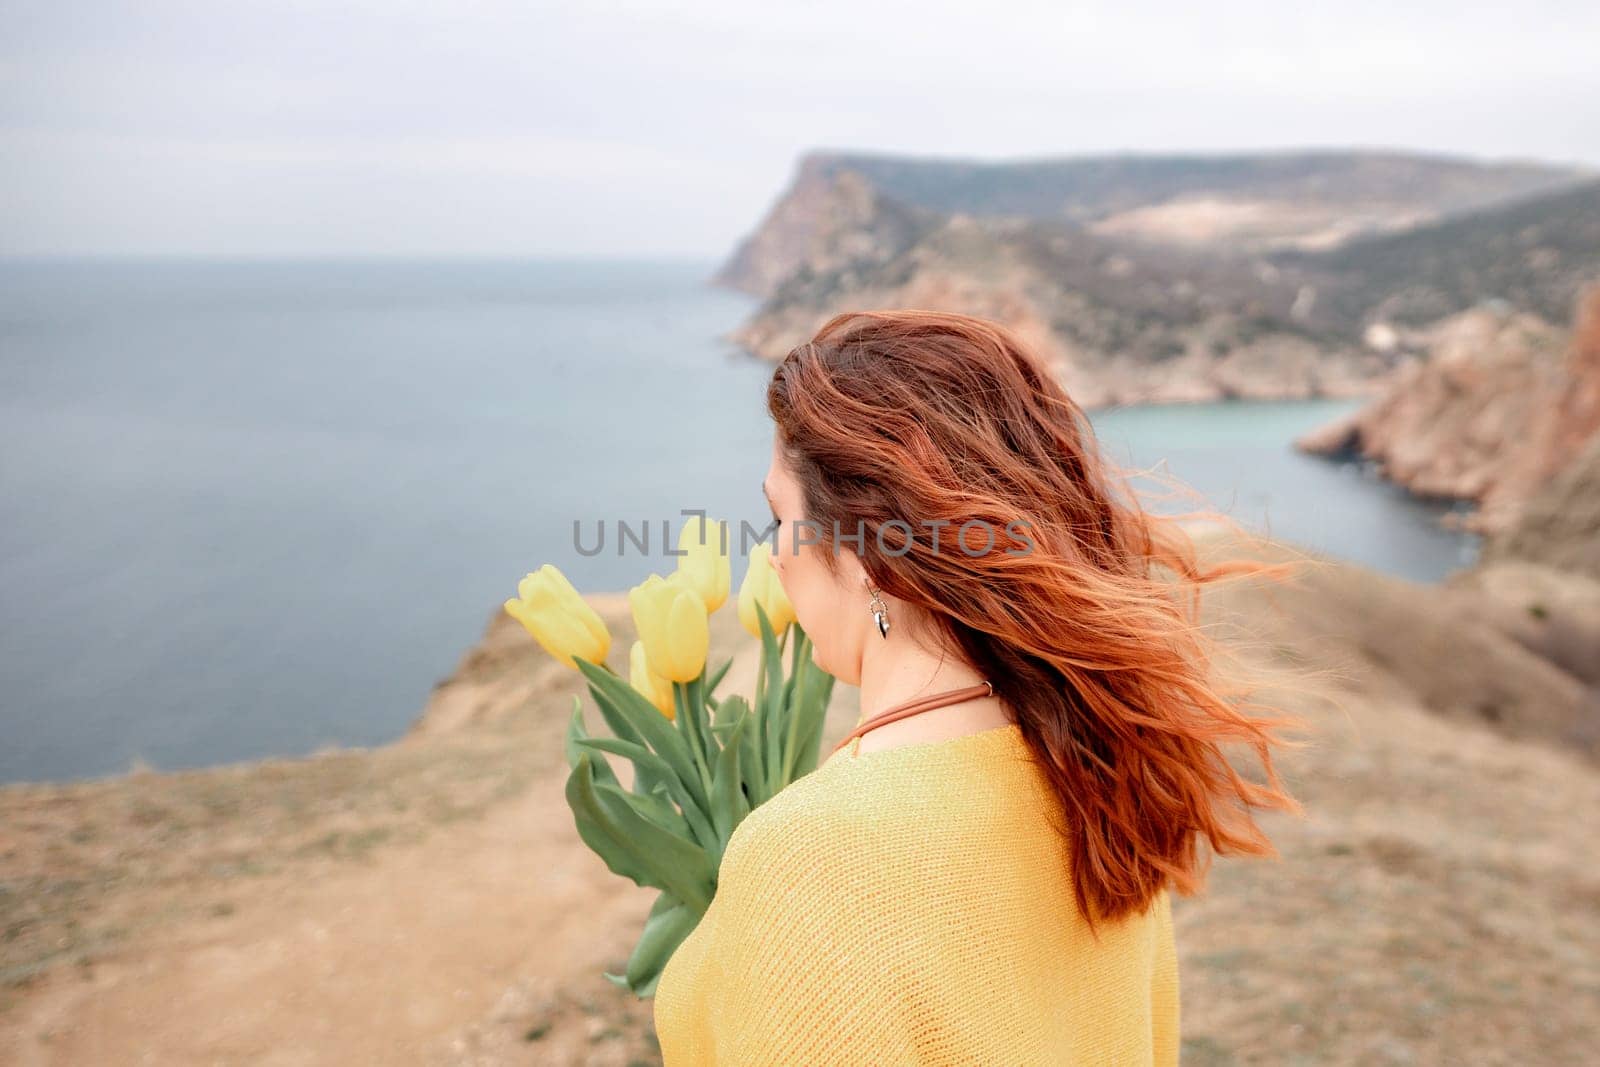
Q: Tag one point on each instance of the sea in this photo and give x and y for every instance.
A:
(255, 509)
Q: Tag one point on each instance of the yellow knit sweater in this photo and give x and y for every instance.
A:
(911, 905)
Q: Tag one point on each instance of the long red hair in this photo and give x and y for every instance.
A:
(921, 416)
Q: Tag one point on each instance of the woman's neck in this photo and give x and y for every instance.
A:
(892, 675)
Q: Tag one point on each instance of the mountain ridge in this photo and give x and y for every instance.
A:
(1397, 187)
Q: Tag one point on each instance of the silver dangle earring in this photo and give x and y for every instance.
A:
(880, 612)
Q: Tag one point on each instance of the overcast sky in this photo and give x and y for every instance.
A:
(386, 127)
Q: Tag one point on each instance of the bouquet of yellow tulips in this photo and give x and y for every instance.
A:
(700, 763)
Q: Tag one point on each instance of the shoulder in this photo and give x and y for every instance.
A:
(867, 909)
(917, 804)
(815, 826)
(816, 909)
(865, 851)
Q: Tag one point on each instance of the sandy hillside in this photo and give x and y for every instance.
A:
(429, 902)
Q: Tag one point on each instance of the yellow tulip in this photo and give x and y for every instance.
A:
(673, 626)
(705, 567)
(762, 586)
(655, 688)
(558, 618)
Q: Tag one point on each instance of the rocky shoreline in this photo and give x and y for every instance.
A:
(1503, 403)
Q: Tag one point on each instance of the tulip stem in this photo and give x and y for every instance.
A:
(686, 696)
(702, 724)
(764, 772)
(796, 701)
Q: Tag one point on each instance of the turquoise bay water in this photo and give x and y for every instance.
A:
(256, 508)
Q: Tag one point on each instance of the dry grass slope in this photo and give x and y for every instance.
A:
(429, 902)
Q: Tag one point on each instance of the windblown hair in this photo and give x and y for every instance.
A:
(922, 416)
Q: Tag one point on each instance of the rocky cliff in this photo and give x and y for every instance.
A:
(1167, 279)
(1502, 402)
(825, 221)
(1121, 324)
(1248, 202)
(1560, 525)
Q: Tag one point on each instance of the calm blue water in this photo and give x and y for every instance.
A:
(252, 509)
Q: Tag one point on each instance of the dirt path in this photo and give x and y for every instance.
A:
(425, 902)
(381, 962)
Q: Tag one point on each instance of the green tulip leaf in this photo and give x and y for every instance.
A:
(813, 713)
(575, 734)
(729, 712)
(750, 762)
(669, 783)
(659, 809)
(670, 922)
(605, 700)
(771, 709)
(649, 726)
(643, 851)
(691, 712)
(597, 831)
(715, 679)
(728, 804)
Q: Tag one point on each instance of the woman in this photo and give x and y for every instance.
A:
(980, 873)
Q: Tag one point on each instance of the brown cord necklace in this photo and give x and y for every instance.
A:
(914, 707)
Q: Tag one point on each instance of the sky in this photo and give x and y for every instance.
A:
(241, 128)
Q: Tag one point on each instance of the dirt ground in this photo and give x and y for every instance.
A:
(429, 902)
